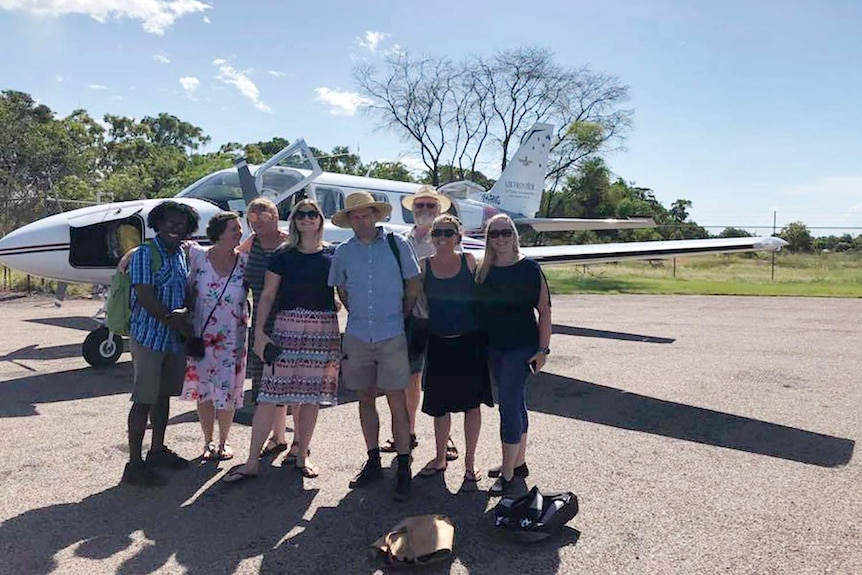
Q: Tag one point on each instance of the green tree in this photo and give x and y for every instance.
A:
(797, 236)
(734, 233)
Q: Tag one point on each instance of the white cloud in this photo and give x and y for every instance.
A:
(341, 103)
(413, 164)
(116, 97)
(161, 59)
(371, 41)
(59, 78)
(276, 73)
(156, 16)
(207, 20)
(240, 80)
(190, 84)
(97, 86)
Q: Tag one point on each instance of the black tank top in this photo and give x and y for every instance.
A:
(450, 301)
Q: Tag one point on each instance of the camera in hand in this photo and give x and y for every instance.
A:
(195, 347)
(271, 353)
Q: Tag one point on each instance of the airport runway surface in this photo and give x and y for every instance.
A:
(701, 434)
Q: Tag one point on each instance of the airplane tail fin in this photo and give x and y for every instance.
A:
(518, 191)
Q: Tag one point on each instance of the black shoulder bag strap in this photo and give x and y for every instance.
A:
(218, 301)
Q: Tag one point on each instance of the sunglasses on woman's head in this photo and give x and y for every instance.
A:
(311, 215)
(447, 232)
(423, 205)
(494, 234)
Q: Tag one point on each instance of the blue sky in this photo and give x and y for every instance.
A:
(741, 107)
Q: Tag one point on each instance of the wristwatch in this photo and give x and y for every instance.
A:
(545, 350)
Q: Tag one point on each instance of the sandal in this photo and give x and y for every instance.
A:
(290, 458)
(451, 451)
(389, 446)
(210, 452)
(307, 471)
(273, 448)
(472, 476)
(225, 452)
(236, 476)
(430, 470)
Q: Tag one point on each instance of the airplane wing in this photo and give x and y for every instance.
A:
(578, 224)
(601, 253)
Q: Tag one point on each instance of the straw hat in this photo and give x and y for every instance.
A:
(357, 201)
(427, 192)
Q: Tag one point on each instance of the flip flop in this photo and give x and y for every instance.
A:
(430, 471)
(236, 476)
(451, 451)
(290, 458)
(472, 476)
(273, 448)
(210, 452)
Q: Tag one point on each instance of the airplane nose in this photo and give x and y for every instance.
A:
(26, 248)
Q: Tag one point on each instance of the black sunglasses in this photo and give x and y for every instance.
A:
(421, 205)
(447, 232)
(494, 234)
(311, 215)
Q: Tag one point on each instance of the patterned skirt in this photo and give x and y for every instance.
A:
(307, 369)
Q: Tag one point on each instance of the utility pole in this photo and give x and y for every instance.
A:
(774, 218)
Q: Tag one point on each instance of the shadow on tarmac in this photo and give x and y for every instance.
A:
(224, 525)
(600, 333)
(81, 323)
(20, 397)
(567, 397)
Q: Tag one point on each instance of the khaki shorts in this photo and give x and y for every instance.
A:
(157, 373)
(381, 364)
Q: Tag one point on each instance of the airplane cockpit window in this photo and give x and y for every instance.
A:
(330, 200)
(276, 180)
(219, 189)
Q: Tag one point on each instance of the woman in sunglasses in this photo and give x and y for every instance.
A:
(511, 290)
(303, 356)
(456, 374)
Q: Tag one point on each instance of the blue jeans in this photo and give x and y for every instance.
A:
(510, 372)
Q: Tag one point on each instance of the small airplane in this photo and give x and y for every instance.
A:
(82, 245)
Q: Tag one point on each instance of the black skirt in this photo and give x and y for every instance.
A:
(456, 374)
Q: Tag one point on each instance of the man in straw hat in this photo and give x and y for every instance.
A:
(369, 281)
(426, 204)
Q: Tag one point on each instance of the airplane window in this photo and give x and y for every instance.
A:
(381, 198)
(330, 199)
(278, 180)
(219, 188)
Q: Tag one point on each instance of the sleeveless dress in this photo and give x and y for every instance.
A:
(456, 375)
(219, 375)
(306, 329)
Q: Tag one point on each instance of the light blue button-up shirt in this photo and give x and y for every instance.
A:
(374, 286)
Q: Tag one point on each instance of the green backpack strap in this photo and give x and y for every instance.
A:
(156, 263)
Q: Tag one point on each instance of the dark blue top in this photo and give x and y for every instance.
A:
(507, 300)
(303, 279)
(451, 301)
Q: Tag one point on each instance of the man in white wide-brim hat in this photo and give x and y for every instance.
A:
(377, 278)
(426, 204)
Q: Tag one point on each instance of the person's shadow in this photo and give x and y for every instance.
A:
(204, 528)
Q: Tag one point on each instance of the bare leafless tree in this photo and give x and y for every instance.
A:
(453, 112)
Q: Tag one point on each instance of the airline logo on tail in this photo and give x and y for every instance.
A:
(518, 191)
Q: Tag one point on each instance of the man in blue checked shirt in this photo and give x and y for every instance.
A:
(158, 323)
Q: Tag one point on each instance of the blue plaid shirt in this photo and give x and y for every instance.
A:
(169, 285)
(370, 274)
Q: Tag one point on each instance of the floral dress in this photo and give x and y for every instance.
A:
(219, 375)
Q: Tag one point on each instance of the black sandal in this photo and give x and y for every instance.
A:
(290, 459)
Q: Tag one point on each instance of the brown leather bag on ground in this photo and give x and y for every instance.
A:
(417, 541)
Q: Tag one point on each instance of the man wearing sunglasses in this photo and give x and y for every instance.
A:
(426, 204)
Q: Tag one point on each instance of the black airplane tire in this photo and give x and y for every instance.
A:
(99, 350)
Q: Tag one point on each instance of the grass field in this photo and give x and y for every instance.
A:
(832, 275)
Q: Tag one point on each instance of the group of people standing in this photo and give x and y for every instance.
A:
(478, 323)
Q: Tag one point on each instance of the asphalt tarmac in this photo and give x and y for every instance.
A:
(701, 434)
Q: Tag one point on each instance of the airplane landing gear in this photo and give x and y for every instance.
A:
(102, 348)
